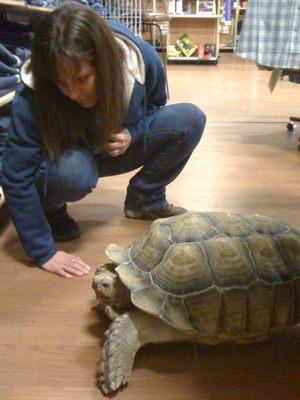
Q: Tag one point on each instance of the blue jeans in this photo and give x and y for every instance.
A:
(174, 133)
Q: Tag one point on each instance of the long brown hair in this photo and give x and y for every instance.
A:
(77, 33)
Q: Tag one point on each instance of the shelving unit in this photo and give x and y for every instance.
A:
(232, 36)
(187, 16)
(240, 11)
(18, 7)
(201, 29)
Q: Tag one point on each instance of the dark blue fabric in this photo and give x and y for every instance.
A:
(5, 70)
(51, 3)
(3, 136)
(4, 124)
(12, 26)
(174, 133)
(22, 52)
(7, 90)
(7, 57)
(23, 159)
(7, 82)
(16, 39)
(38, 3)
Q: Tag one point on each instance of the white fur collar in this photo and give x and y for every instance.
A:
(26, 74)
(133, 63)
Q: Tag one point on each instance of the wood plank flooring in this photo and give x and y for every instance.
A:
(50, 332)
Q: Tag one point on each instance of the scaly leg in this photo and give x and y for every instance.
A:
(126, 334)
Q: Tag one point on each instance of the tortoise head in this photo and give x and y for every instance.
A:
(109, 289)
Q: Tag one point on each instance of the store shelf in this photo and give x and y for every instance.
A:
(154, 16)
(7, 98)
(194, 16)
(226, 48)
(200, 30)
(231, 32)
(213, 60)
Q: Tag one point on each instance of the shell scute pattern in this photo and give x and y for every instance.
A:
(259, 308)
(217, 275)
(234, 308)
(230, 224)
(289, 245)
(270, 263)
(150, 299)
(266, 225)
(149, 250)
(175, 313)
(203, 310)
(229, 261)
(133, 277)
(193, 227)
(283, 305)
(183, 271)
(297, 302)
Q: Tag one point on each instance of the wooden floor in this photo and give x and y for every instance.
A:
(50, 332)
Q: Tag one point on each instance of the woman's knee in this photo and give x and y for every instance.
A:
(194, 121)
(74, 177)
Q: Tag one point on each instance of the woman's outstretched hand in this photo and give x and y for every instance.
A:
(66, 265)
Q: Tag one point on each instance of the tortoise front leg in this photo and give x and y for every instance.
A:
(126, 334)
(118, 352)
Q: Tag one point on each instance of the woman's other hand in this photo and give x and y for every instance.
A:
(66, 265)
(118, 143)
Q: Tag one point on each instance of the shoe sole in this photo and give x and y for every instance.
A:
(66, 238)
(147, 215)
(140, 215)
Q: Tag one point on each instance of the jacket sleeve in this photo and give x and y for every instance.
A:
(155, 90)
(21, 160)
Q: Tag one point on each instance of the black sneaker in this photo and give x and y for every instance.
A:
(63, 227)
(163, 212)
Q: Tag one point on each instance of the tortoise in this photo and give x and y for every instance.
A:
(207, 277)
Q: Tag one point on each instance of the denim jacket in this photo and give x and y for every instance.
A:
(23, 153)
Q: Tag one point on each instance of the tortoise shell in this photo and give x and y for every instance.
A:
(217, 275)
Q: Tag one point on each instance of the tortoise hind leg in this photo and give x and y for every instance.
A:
(126, 334)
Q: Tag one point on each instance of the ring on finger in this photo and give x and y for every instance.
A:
(116, 152)
(73, 259)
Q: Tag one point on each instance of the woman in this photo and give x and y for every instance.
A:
(91, 104)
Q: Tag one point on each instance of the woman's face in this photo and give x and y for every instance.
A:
(80, 85)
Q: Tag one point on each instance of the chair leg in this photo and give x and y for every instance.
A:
(151, 25)
(164, 58)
